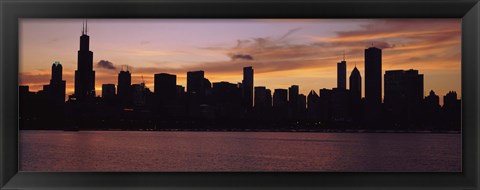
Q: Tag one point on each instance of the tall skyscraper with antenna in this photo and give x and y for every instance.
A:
(84, 75)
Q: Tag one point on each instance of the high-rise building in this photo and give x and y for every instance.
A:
(452, 113)
(342, 74)
(108, 91)
(403, 94)
(293, 93)
(373, 83)
(57, 86)
(165, 88)
(124, 88)
(313, 105)
(280, 103)
(269, 98)
(356, 84)
(227, 99)
(450, 101)
(84, 75)
(355, 95)
(247, 90)
(139, 95)
(432, 100)
(280, 98)
(301, 105)
(260, 98)
(195, 83)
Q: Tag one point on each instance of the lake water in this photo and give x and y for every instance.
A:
(237, 151)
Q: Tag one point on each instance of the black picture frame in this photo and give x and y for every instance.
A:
(12, 10)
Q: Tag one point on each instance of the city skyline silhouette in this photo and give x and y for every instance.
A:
(299, 54)
(205, 104)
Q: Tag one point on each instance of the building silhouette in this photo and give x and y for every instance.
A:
(355, 95)
(403, 95)
(432, 108)
(293, 107)
(356, 84)
(373, 83)
(108, 92)
(280, 103)
(340, 106)
(165, 88)
(313, 105)
(56, 89)
(139, 96)
(247, 88)
(301, 107)
(451, 110)
(326, 104)
(195, 82)
(124, 88)
(342, 74)
(227, 100)
(237, 106)
(84, 75)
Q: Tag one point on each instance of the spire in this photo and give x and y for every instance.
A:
(83, 27)
(86, 26)
(343, 55)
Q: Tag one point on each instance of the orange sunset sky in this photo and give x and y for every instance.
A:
(282, 52)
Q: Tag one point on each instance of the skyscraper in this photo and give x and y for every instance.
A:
(56, 89)
(108, 91)
(84, 75)
(195, 82)
(293, 93)
(403, 94)
(124, 88)
(165, 88)
(313, 105)
(355, 95)
(247, 90)
(260, 98)
(280, 102)
(373, 83)
(342, 74)
(356, 84)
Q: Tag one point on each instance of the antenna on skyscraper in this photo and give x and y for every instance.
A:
(86, 26)
(83, 27)
(343, 55)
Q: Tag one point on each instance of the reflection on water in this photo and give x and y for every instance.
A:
(237, 151)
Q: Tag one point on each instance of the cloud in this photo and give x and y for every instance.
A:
(235, 57)
(105, 64)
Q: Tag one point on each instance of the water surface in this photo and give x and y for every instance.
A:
(238, 151)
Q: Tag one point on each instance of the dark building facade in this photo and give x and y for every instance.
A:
(195, 82)
(313, 105)
(280, 102)
(342, 75)
(373, 83)
(84, 75)
(57, 86)
(124, 88)
(227, 99)
(356, 84)
(326, 104)
(247, 88)
(293, 107)
(108, 91)
(165, 88)
(355, 95)
(403, 94)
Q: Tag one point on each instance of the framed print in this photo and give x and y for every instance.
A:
(246, 95)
